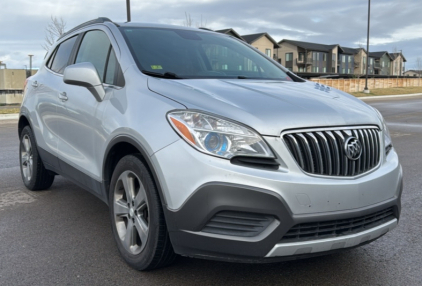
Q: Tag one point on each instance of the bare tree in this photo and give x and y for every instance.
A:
(188, 20)
(203, 23)
(54, 30)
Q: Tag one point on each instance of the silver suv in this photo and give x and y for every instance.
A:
(203, 146)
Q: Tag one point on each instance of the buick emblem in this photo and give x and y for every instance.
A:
(352, 148)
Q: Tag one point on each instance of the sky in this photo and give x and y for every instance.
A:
(395, 24)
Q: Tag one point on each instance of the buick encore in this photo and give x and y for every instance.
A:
(205, 147)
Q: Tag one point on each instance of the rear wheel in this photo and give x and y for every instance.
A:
(34, 175)
(137, 218)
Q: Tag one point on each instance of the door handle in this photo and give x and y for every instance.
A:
(63, 97)
(35, 83)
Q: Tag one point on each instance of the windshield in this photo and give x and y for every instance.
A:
(176, 53)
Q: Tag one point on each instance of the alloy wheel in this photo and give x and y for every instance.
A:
(26, 157)
(131, 212)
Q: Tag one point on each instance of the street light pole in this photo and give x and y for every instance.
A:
(128, 10)
(30, 64)
(366, 90)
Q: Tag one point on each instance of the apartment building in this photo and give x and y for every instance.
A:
(413, 73)
(380, 63)
(230, 32)
(263, 42)
(352, 61)
(397, 64)
(304, 57)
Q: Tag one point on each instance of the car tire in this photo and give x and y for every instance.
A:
(138, 223)
(34, 175)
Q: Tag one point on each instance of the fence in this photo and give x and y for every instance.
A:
(358, 84)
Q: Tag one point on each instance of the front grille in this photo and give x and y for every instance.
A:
(335, 228)
(238, 223)
(322, 152)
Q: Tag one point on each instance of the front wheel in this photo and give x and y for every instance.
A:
(34, 175)
(137, 218)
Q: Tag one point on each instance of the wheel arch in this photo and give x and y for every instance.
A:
(119, 147)
(23, 121)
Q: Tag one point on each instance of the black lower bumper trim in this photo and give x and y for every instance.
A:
(186, 224)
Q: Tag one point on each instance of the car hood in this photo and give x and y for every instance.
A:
(268, 106)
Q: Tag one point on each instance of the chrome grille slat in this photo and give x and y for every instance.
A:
(368, 150)
(327, 154)
(318, 156)
(343, 159)
(308, 153)
(363, 156)
(322, 152)
(296, 151)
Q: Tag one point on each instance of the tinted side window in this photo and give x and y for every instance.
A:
(62, 55)
(50, 60)
(111, 68)
(94, 49)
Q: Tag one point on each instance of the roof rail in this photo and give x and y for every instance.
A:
(203, 28)
(95, 21)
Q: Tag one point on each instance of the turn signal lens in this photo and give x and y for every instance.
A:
(183, 129)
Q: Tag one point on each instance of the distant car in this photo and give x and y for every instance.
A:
(203, 146)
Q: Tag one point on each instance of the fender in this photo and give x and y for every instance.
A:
(142, 150)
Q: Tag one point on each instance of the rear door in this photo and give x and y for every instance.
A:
(81, 130)
(46, 86)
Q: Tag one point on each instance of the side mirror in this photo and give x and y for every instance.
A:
(85, 74)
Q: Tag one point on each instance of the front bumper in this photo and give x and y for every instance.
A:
(186, 226)
(196, 187)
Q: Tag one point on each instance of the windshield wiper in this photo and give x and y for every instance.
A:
(241, 77)
(163, 75)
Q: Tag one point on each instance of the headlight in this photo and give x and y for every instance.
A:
(387, 138)
(218, 137)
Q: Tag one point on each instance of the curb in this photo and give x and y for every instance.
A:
(389, 96)
(13, 116)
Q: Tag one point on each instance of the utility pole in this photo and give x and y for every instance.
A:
(366, 90)
(30, 64)
(128, 10)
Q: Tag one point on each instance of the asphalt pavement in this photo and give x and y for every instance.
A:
(62, 236)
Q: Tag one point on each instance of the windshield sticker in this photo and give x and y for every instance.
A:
(156, 67)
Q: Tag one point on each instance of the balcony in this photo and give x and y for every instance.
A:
(357, 64)
(377, 66)
(304, 61)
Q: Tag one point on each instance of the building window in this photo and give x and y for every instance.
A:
(383, 63)
(289, 57)
(349, 59)
(324, 69)
(301, 69)
(343, 70)
(348, 71)
(324, 57)
(343, 58)
(333, 70)
(268, 52)
(301, 56)
(315, 56)
(364, 60)
(224, 67)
